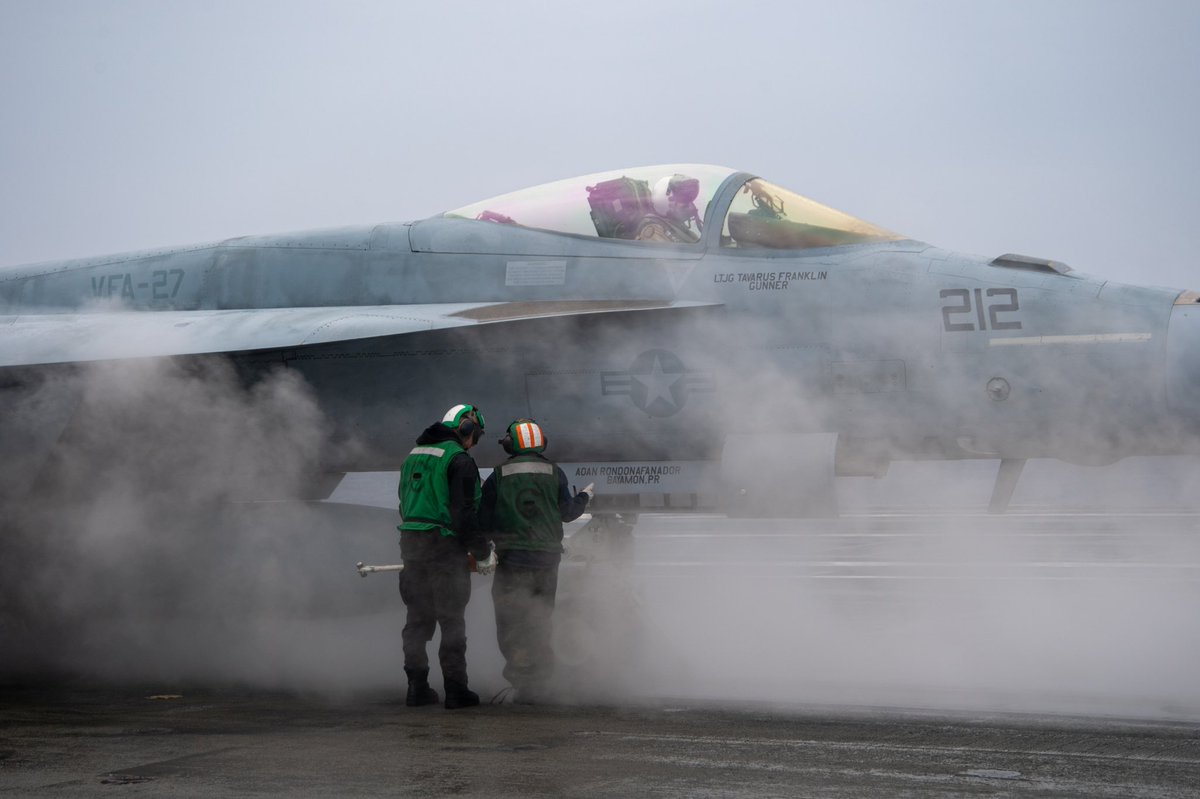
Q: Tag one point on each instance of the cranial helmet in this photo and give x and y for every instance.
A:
(677, 190)
(466, 420)
(523, 435)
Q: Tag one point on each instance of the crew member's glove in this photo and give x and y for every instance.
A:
(488, 564)
(590, 490)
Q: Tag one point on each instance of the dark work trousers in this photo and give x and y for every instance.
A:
(436, 592)
(524, 600)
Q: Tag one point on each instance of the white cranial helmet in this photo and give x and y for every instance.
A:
(678, 190)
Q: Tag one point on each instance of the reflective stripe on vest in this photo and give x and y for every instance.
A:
(507, 469)
(434, 451)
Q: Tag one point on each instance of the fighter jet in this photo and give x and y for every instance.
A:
(690, 337)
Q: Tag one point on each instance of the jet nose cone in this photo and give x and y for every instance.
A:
(1183, 359)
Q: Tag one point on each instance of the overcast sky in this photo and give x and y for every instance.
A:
(1058, 128)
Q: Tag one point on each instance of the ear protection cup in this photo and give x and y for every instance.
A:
(466, 421)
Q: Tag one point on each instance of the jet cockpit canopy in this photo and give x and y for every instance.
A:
(669, 204)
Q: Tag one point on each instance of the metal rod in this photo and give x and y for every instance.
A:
(363, 571)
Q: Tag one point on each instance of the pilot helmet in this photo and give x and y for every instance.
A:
(678, 190)
(523, 436)
(466, 420)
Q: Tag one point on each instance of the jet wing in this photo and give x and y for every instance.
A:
(33, 339)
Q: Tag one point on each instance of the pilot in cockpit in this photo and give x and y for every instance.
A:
(626, 208)
(674, 199)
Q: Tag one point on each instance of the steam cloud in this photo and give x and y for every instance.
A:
(137, 558)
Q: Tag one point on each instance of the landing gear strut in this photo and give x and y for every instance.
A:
(1006, 484)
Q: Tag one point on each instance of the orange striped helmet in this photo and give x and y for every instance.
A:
(523, 435)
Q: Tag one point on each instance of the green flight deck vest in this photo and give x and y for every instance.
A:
(425, 488)
(527, 514)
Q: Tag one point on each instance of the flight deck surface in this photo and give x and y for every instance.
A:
(103, 741)
(1041, 653)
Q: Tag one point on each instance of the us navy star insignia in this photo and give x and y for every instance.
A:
(657, 382)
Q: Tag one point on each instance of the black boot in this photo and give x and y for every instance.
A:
(419, 692)
(458, 695)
